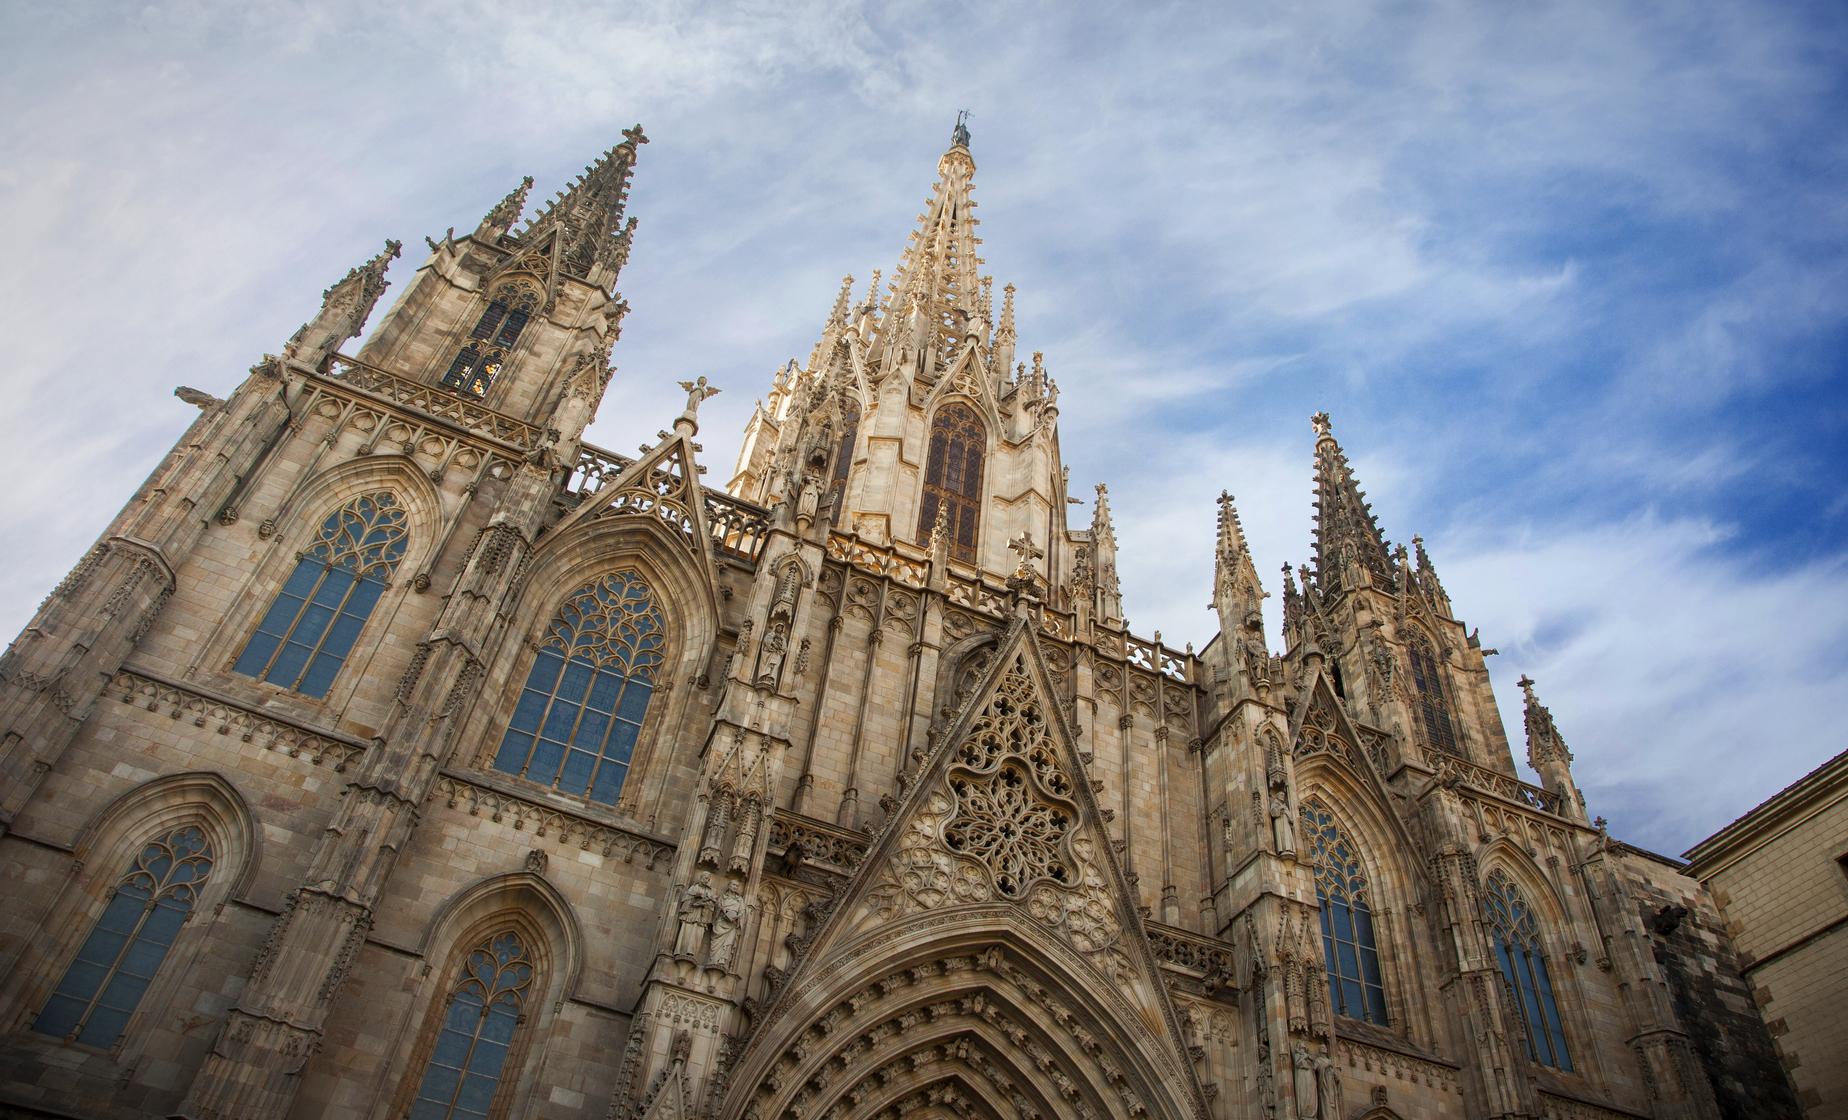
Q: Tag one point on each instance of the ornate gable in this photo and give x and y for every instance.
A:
(1001, 832)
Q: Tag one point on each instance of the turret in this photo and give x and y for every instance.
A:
(1108, 601)
(345, 307)
(1350, 552)
(1239, 599)
(519, 324)
(1547, 754)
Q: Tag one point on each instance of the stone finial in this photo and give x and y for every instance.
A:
(506, 213)
(1319, 421)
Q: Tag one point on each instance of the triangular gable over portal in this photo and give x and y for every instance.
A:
(1000, 831)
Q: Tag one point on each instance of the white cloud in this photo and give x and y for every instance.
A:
(1489, 240)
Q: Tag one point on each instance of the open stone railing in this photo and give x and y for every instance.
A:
(1484, 780)
(817, 841)
(738, 527)
(434, 401)
(1192, 953)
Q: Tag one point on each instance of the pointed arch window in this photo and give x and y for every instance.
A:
(104, 984)
(953, 478)
(310, 628)
(483, 1012)
(843, 457)
(579, 716)
(1523, 966)
(1349, 949)
(1433, 706)
(480, 360)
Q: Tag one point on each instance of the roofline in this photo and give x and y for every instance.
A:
(1826, 782)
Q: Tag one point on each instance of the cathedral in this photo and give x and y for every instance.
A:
(394, 752)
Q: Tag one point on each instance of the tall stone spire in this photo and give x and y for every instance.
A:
(1237, 594)
(1349, 549)
(1109, 592)
(344, 310)
(588, 215)
(1547, 753)
(1427, 580)
(935, 300)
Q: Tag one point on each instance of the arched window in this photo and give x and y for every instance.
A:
(581, 711)
(1433, 708)
(482, 1013)
(482, 356)
(953, 478)
(1523, 965)
(112, 970)
(843, 457)
(310, 628)
(1348, 947)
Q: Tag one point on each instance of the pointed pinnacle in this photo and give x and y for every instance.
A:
(507, 211)
(839, 314)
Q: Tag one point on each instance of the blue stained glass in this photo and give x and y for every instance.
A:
(312, 624)
(514, 748)
(544, 765)
(609, 782)
(1349, 949)
(597, 662)
(575, 777)
(110, 973)
(1519, 955)
(463, 1072)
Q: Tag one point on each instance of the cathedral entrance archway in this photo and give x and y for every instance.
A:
(970, 1012)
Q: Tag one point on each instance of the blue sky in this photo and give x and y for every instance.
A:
(1569, 277)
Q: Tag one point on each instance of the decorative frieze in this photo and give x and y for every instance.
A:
(226, 717)
(1404, 1067)
(546, 821)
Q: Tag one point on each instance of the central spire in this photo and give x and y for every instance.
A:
(936, 300)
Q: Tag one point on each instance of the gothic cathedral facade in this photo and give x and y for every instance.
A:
(397, 753)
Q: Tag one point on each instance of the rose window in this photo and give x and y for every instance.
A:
(1017, 836)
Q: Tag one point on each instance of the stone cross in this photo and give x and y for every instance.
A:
(1024, 547)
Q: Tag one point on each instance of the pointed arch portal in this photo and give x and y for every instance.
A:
(987, 1018)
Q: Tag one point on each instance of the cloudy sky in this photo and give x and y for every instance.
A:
(1569, 277)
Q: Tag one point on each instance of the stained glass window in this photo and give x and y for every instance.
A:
(1433, 708)
(1523, 965)
(480, 360)
(479, 1020)
(953, 478)
(117, 962)
(843, 457)
(580, 714)
(1348, 946)
(310, 628)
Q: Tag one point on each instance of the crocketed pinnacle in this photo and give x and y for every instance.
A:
(1544, 743)
(588, 214)
(506, 212)
(1348, 543)
(1237, 595)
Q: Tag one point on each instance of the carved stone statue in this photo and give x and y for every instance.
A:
(1328, 1086)
(726, 923)
(808, 502)
(697, 903)
(1308, 1098)
(776, 647)
(1283, 830)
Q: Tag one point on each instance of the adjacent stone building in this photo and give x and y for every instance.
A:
(1780, 877)
(394, 753)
